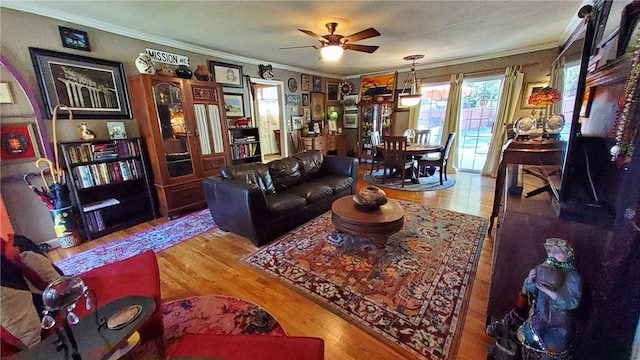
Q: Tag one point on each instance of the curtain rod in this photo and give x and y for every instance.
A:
(475, 73)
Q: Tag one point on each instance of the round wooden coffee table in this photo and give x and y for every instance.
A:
(376, 224)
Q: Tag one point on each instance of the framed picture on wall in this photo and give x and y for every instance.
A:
(317, 106)
(305, 99)
(92, 88)
(378, 86)
(297, 121)
(529, 89)
(351, 120)
(304, 82)
(234, 105)
(332, 92)
(18, 142)
(227, 75)
(317, 83)
(74, 39)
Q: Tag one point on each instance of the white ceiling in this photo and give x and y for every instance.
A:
(446, 32)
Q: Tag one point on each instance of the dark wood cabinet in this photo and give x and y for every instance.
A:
(110, 186)
(184, 126)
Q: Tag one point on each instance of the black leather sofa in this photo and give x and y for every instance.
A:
(261, 201)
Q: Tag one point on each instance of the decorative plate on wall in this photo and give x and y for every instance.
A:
(292, 84)
(346, 88)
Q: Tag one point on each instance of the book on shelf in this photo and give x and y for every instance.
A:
(86, 152)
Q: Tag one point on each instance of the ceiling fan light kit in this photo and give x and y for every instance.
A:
(331, 52)
(333, 45)
(413, 97)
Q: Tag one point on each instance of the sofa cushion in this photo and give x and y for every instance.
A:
(337, 183)
(311, 163)
(285, 172)
(311, 191)
(283, 203)
(253, 173)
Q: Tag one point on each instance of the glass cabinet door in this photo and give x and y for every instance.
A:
(175, 133)
(209, 128)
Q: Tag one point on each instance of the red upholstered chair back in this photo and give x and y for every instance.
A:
(137, 275)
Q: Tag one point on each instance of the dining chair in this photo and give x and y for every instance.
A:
(410, 134)
(440, 161)
(395, 157)
(422, 137)
(377, 155)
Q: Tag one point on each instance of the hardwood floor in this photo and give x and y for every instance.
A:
(209, 264)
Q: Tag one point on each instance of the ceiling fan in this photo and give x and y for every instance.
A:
(332, 45)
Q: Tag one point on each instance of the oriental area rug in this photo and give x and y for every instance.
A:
(427, 183)
(215, 314)
(157, 238)
(414, 292)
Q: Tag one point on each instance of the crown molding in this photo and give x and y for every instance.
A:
(33, 8)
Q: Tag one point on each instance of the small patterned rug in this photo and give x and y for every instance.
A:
(413, 293)
(427, 183)
(158, 238)
(219, 315)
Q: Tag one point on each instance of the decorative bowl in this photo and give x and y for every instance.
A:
(370, 197)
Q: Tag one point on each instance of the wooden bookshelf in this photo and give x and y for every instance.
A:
(109, 184)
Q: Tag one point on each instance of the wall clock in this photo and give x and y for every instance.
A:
(346, 88)
(293, 85)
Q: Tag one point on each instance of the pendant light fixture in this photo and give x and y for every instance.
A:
(413, 96)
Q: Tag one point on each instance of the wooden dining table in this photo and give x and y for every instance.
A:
(413, 151)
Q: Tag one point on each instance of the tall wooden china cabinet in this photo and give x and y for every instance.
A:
(374, 116)
(184, 126)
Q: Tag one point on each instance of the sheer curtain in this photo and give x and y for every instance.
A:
(414, 111)
(509, 97)
(451, 122)
(557, 82)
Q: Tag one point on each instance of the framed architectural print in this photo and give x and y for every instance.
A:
(227, 75)
(92, 88)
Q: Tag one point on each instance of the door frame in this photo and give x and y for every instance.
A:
(284, 124)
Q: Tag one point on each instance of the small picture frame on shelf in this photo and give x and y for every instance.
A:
(117, 130)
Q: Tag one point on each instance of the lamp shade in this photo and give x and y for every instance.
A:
(410, 100)
(331, 52)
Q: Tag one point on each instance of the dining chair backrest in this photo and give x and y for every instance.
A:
(410, 134)
(422, 136)
(395, 148)
(447, 146)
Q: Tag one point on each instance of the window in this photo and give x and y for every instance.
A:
(569, 87)
(433, 108)
(480, 99)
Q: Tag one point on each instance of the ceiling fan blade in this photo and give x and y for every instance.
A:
(364, 48)
(296, 47)
(364, 34)
(314, 35)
